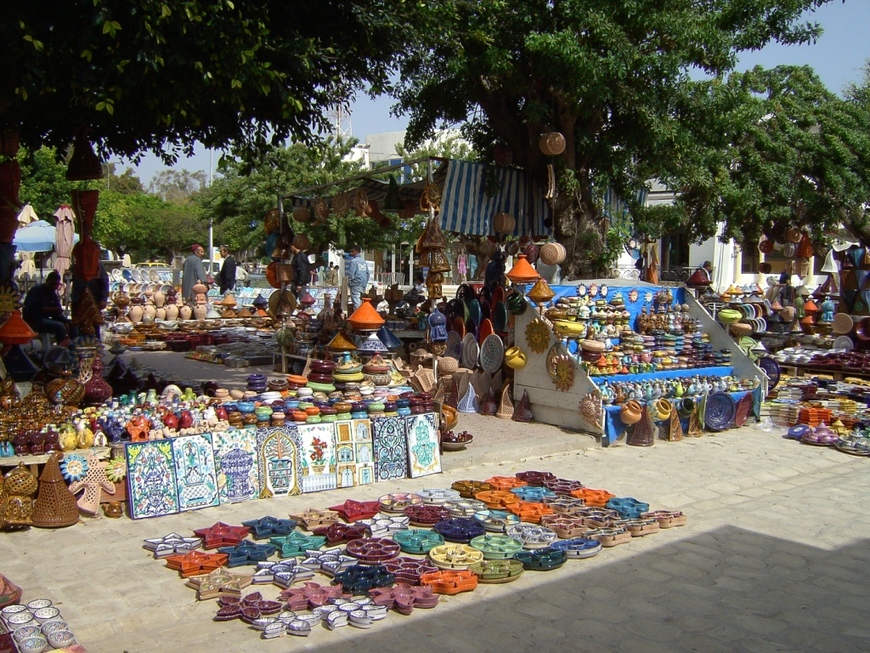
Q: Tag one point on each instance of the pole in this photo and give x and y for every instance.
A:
(211, 246)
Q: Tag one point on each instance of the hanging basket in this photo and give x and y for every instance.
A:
(301, 214)
(552, 253)
(504, 223)
(552, 143)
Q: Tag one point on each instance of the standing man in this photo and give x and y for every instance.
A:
(301, 269)
(357, 277)
(332, 275)
(193, 272)
(227, 275)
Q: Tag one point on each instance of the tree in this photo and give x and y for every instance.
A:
(794, 155)
(177, 186)
(148, 75)
(612, 77)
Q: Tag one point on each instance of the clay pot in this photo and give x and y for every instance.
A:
(631, 412)
(135, 313)
(149, 311)
(159, 299)
(662, 410)
(171, 312)
(514, 358)
(200, 311)
(200, 288)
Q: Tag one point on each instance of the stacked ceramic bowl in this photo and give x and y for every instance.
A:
(37, 626)
(257, 383)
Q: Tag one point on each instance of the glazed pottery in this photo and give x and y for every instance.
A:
(631, 412)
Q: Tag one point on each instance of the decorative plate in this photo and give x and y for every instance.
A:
(486, 329)
(581, 290)
(500, 318)
(719, 411)
(560, 367)
(843, 342)
(470, 350)
(537, 336)
(454, 345)
(73, 467)
(771, 368)
(632, 295)
(459, 326)
(603, 290)
(747, 345)
(593, 290)
(492, 354)
(474, 312)
(743, 409)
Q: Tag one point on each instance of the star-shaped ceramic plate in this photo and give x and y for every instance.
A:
(266, 527)
(221, 534)
(296, 544)
(196, 563)
(311, 519)
(282, 573)
(172, 544)
(247, 552)
(352, 510)
(220, 582)
(330, 561)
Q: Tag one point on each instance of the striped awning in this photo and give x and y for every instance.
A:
(474, 192)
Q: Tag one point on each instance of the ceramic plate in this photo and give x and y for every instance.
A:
(474, 312)
(459, 327)
(581, 290)
(470, 349)
(454, 345)
(843, 342)
(500, 318)
(497, 296)
(492, 354)
(486, 329)
(719, 411)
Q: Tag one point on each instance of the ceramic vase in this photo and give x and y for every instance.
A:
(159, 299)
(185, 312)
(135, 313)
(200, 311)
(171, 312)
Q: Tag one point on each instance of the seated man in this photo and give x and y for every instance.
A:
(43, 311)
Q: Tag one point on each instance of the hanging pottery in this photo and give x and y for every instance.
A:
(537, 335)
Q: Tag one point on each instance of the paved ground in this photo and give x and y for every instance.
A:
(774, 558)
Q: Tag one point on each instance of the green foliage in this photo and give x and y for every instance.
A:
(149, 75)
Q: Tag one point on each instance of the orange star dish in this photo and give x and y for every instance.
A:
(598, 498)
(221, 534)
(196, 563)
(505, 482)
(450, 581)
(497, 499)
(529, 511)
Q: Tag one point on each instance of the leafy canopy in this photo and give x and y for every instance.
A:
(149, 74)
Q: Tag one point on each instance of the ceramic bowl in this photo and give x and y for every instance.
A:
(51, 626)
(33, 645)
(19, 618)
(26, 632)
(12, 609)
(61, 638)
(46, 614)
(38, 604)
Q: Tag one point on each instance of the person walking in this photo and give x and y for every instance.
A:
(227, 275)
(357, 277)
(301, 269)
(332, 275)
(193, 272)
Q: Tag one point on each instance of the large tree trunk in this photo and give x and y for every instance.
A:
(577, 226)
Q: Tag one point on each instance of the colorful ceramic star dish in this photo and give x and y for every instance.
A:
(545, 559)
(578, 547)
(427, 515)
(296, 544)
(460, 529)
(311, 519)
(352, 511)
(266, 527)
(282, 573)
(196, 563)
(311, 595)
(467, 489)
(220, 582)
(417, 541)
(247, 552)
(172, 544)
(248, 608)
(221, 534)
(339, 533)
(497, 571)
(359, 579)
(404, 598)
(373, 550)
(330, 561)
(409, 570)
(450, 581)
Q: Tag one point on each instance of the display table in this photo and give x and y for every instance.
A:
(33, 462)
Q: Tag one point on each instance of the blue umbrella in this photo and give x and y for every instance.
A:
(38, 236)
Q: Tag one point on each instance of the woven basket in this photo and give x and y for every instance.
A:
(553, 253)
(523, 410)
(504, 223)
(301, 214)
(552, 143)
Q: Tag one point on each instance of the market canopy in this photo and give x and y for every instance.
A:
(471, 194)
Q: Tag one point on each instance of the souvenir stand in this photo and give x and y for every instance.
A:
(563, 393)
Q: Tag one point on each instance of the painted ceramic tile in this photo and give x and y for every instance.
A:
(345, 457)
(344, 431)
(235, 455)
(195, 473)
(318, 460)
(390, 448)
(278, 452)
(423, 454)
(151, 487)
(362, 430)
(365, 474)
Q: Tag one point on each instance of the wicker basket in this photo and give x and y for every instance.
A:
(504, 223)
(301, 214)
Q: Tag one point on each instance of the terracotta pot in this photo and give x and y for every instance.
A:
(631, 412)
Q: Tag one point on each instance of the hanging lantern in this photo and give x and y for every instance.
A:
(272, 221)
(439, 262)
(361, 203)
(321, 211)
(84, 163)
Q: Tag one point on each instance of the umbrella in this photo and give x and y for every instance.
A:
(38, 236)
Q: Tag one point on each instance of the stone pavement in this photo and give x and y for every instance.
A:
(775, 557)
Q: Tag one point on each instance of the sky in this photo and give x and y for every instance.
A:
(838, 57)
